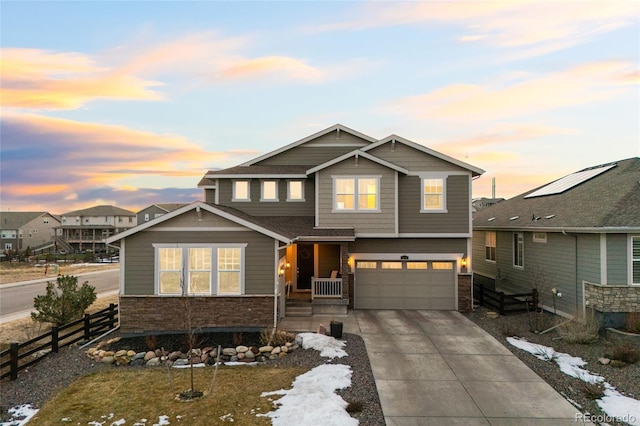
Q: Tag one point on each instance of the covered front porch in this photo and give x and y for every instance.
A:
(314, 279)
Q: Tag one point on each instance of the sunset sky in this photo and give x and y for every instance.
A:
(129, 103)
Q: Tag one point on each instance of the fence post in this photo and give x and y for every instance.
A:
(112, 313)
(13, 349)
(54, 339)
(87, 327)
(534, 297)
(481, 295)
(502, 303)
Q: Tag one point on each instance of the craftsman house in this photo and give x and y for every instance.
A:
(335, 220)
(577, 240)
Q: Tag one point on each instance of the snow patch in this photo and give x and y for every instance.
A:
(312, 399)
(328, 346)
(20, 415)
(613, 403)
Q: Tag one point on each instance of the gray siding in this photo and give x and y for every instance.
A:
(409, 245)
(413, 160)
(456, 220)
(281, 208)
(546, 266)
(589, 257)
(190, 219)
(617, 258)
(317, 151)
(140, 257)
(363, 222)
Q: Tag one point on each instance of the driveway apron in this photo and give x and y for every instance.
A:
(439, 368)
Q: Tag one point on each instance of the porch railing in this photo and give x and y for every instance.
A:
(326, 288)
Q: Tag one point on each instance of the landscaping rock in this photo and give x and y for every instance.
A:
(107, 360)
(264, 349)
(604, 361)
(229, 351)
(181, 361)
(149, 355)
(153, 362)
(241, 349)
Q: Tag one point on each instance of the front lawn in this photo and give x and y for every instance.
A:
(148, 396)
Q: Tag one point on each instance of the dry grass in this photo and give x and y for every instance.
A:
(17, 272)
(136, 394)
(25, 329)
(582, 332)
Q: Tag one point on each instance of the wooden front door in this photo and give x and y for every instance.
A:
(305, 266)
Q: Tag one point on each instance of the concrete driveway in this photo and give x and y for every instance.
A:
(438, 367)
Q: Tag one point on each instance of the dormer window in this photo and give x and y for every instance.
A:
(269, 190)
(241, 190)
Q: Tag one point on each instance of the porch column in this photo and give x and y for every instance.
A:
(344, 269)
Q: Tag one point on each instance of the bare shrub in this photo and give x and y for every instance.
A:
(633, 322)
(583, 333)
(275, 337)
(509, 329)
(626, 354)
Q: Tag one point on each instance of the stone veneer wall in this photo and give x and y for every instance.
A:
(165, 314)
(465, 299)
(612, 298)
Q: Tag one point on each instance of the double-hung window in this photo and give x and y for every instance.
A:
(518, 249)
(490, 246)
(200, 269)
(433, 195)
(356, 193)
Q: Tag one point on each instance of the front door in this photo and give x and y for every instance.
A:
(305, 266)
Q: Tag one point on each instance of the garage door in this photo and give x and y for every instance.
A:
(405, 285)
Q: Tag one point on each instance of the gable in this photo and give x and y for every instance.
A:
(316, 148)
(193, 220)
(413, 159)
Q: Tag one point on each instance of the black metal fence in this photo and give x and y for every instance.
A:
(16, 359)
(505, 303)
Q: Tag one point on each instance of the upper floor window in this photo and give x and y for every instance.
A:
(490, 246)
(269, 190)
(46, 221)
(295, 190)
(433, 191)
(241, 190)
(146, 217)
(518, 249)
(357, 194)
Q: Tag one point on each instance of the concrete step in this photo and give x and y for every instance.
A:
(298, 311)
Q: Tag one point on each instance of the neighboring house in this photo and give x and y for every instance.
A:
(483, 203)
(579, 235)
(335, 219)
(156, 210)
(88, 229)
(19, 230)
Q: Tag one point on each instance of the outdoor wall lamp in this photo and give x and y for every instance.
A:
(463, 262)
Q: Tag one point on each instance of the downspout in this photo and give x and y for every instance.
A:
(576, 267)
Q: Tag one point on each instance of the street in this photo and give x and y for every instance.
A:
(16, 301)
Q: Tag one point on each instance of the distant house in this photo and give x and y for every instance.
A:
(483, 203)
(337, 219)
(19, 230)
(88, 229)
(156, 210)
(576, 239)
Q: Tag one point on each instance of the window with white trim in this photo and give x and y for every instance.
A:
(490, 246)
(635, 260)
(539, 237)
(200, 269)
(366, 264)
(295, 190)
(356, 194)
(518, 249)
(269, 190)
(241, 190)
(433, 195)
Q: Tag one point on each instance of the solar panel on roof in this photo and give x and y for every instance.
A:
(569, 181)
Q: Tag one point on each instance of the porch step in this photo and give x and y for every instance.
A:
(298, 310)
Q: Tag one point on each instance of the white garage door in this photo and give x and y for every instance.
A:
(405, 285)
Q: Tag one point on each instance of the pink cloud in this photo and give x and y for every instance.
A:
(576, 86)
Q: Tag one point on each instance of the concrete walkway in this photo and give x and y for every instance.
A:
(439, 368)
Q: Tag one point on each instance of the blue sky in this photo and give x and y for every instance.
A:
(129, 103)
